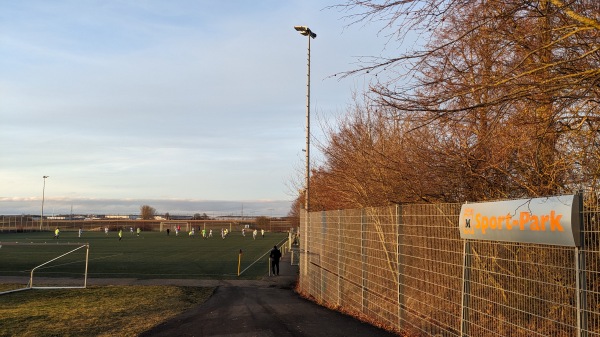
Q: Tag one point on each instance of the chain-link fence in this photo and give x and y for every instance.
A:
(406, 268)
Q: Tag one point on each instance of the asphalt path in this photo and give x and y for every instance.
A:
(265, 308)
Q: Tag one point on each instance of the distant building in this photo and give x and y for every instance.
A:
(180, 217)
(121, 217)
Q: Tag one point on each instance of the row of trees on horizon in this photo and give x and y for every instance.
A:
(496, 99)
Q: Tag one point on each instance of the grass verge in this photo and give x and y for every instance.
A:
(95, 311)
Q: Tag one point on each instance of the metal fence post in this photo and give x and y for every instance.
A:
(304, 277)
(339, 262)
(400, 268)
(580, 275)
(363, 259)
(322, 273)
(464, 317)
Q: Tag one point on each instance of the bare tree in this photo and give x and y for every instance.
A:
(500, 100)
(371, 160)
(297, 205)
(493, 67)
(147, 212)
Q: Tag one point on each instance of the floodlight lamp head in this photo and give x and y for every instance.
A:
(305, 31)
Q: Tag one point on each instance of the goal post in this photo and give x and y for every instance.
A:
(67, 267)
(172, 224)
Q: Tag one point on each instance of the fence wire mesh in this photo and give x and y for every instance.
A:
(406, 268)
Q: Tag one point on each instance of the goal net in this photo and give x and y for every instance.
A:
(43, 266)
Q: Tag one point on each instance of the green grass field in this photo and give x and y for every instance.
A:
(118, 310)
(151, 255)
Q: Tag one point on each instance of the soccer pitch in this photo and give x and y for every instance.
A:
(149, 255)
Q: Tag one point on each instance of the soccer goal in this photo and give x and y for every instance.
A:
(45, 265)
(185, 226)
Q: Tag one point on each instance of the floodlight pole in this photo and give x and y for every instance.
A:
(43, 197)
(310, 34)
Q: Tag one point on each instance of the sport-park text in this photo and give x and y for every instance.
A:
(525, 220)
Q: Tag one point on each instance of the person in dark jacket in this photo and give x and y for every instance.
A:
(275, 256)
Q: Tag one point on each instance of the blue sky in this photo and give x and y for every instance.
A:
(187, 106)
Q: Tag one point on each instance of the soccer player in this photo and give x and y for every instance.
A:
(56, 233)
(275, 256)
(204, 233)
(254, 234)
(120, 234)
(80, 232)
(139, 230)
(210, 233)
(243, 231)
(262, 232)
(106, 230)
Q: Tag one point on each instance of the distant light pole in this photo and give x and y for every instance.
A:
(310, 34)
(43, 197)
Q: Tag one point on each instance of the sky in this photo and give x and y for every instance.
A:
(186, 106)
